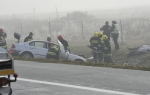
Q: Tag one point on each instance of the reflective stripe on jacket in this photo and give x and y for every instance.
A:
(107, 55)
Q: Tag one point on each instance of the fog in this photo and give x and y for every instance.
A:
(46, 6)
(76, 20)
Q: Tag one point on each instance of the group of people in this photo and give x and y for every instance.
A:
(112, 31)
(100, 42)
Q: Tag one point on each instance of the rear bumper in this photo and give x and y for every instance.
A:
(4, 90)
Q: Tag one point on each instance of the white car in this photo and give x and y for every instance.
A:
(39, 49)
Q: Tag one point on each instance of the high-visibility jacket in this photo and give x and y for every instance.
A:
(3, 42)
(53, 51)
(116, 29)
(94, 43)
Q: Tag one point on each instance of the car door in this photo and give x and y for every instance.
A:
(62, 53)
(38, 48)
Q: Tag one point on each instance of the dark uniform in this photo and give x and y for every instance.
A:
(64, 42)
(29, 38)
(106, 30)
(115, 34)
(107, 51)
(94, 44)
(53, 53)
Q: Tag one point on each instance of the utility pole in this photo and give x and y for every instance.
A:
(56, 12)
(50, 29)
(121, 32)
(82, 29)
(33, 17)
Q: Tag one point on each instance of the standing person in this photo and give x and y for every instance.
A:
(64, 42)
(94, 45)
(3, 35)
(115, 34)
(29, 37)
(53, 53)
(106, 30)
(107, 50)
(100, 46)
(49, 39)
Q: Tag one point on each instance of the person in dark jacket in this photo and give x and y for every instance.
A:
(29, 37)
(3, 35)
(106, 30)
(49, 39)
(94, 40)
(115, 34)
(64, 42)
(53, 53)
(107, 50)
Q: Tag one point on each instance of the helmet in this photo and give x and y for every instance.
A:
(100, 33)
(1, 30)
(48, 38)
(60, 37)
(104, 37)
(95, 34)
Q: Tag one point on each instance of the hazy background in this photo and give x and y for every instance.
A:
(75, 20)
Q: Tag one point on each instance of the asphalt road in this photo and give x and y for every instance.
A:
(60, 79)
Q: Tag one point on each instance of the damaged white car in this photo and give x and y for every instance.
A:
(39, 49)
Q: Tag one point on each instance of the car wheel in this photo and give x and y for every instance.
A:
(78, 60)
(27, 55)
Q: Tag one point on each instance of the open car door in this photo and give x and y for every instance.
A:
(62, 53)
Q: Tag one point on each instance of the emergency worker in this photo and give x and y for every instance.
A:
(49, 39)
(94, 45)
(29, 37)
(107, 50)
(115, 34)
(64, 42)
(3, 35)
(106, 30)
(53, 53)
(100, 46)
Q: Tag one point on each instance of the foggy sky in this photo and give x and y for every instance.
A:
(27, 6)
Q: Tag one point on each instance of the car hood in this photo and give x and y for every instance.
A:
(73, 57)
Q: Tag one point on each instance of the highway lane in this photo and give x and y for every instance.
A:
(98, 80)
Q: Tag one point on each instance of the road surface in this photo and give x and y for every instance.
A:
(61, 79)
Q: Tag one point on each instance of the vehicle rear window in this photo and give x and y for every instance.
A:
(41, 44)
(31, 43)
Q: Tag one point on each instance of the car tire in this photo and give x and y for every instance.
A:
(27, 55)
(78, 60)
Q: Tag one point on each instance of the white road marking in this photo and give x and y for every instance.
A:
(77, 87)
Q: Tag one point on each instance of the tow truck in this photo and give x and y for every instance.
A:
(6, 71)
